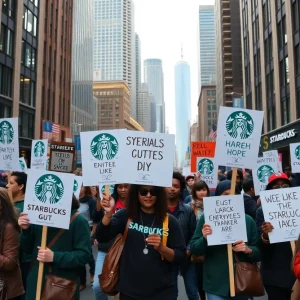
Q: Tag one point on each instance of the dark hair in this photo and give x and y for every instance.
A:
(88, 191)
(75, 202)
(133, 204)
(248, 184)
(21, 178)
(181, 179)
(8, 214)
(239, 173)
(198, 186)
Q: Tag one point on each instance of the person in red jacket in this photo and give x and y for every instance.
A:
(297, 260)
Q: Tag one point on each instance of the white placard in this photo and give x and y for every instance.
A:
(186, 171)
(22, 164)
(78, 180)
(39, 151)
(48, 198)
(226, 216)
(265, 167)
(103, 157)
(274, 153)
(9, 144)
(208, 171)
(238, 137)
(295, 157)
(281, 208)
(148, 158)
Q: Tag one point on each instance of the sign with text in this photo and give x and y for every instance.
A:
(9, 144)
(39, 151)
(208, 171)
(201, 149)
(265, 167)
(23, 166)
(237, 139)
(274, 153)
(78, 180)
(102, 154)
(149, 158)
(282, 209)
(295, 157)
(62, 157)
(226, 216)
(48, 198)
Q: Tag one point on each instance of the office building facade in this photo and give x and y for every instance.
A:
(144, 107)
(138, 70)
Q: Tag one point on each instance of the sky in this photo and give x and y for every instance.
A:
(163, 25)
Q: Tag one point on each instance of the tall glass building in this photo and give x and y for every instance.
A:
(206, 44)
(183, 110)
(154, 77)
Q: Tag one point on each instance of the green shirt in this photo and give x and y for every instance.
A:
(215, 268)
(19, 205)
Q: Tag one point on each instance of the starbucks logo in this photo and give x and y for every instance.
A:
(49, 189)
(297, 152)
(111, 189)
(239, 125)
(75, 187)
(104, 146)
(264, 172)
(22, 165)
(39, 149)
(205, 166)
(6, 133)
(47, 163)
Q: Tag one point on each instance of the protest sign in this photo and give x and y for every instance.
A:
(23, 166)
(226, 216)
(237, 143)
(274, 153)
(103, 157)
(265, 167)
(208, 171)
(62, 157)
(48, 198)
(201, 149)
(295, 157)
(39, 151)
(9, 144)
(282, 209)
(149, 158)
(77, 185)
(102, 190)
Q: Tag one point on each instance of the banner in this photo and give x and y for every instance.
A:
(201, 149)
(39, 150)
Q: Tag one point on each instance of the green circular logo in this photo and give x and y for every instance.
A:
(111, 189)
(239, 125)
(264, 172)
(49, 189)
(39, 149)
(297, 152)
(6, 133)
(75, 187)
(22, 165)
(104, 146)
(205, 166)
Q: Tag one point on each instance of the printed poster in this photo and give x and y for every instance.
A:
(295, 157)
(274, 153)
(201, 149)
(208, 171)
(78, 180)
(23, 166)
(39, 151)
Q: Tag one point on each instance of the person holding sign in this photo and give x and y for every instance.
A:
(276, 271)
(146, 265)
(71, 251)
(215, 268)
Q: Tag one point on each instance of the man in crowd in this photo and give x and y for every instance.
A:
(250, 201)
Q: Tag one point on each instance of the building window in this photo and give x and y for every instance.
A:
(6, 40)
(28, 57)
(29, 22)
(285, 111)
(27, 91)
(26, 124)
(5, 81)
(8, 8)
(295, 16)
(297, 59)
(5, 111)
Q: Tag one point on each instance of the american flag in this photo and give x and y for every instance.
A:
(56, 132)
(213, 132)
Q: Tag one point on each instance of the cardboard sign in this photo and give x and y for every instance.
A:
(62, 157)
(274, 153)
(78, 180)
(208, 171)
(48, 198)
(295, 157)
(281, 208)
(148, 158)
(102, 190)
(201, 149)
(237, 141)
(23, 166)
(265, 167)
(39, 151)
(9, 144)
(226, 216)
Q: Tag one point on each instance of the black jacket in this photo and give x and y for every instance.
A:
(251, 206)
(276, 263)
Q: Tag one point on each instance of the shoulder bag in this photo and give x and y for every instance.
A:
(58, 288)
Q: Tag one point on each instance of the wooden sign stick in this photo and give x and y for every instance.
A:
(41, 265)
(293, 246)
(229, 246)
(107, 190)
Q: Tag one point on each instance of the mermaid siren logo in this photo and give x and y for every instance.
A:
(75, 187)
(39, 149)
(264, 172)
(6, 133)
(49, 189)
(205, 166)
(104, 147)
(239, 125)
(22, 165)
(297, 152)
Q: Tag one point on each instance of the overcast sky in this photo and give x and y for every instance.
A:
(162, 26)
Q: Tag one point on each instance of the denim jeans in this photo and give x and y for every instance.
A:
(99, 295)
(215, 297)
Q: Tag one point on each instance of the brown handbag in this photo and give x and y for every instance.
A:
(296, 291)
(58, 288)
(248, 280)
(110, 271)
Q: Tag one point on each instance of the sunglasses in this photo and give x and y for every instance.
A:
(144, 192)
(284, 186)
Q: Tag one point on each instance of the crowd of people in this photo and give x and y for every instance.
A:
(149, 267)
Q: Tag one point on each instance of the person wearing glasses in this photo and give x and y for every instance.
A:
(277, 258)
(146, 264)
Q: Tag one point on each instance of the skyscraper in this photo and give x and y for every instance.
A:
(138, 70)
(84, 113)
(114, 43)
(183, 109)
(154, 77)
(144, 107)
(206, 43)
